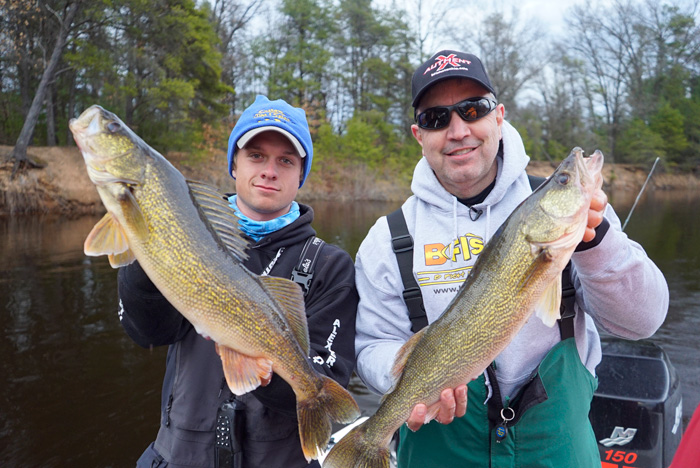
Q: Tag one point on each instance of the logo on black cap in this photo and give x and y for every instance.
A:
(442, 61)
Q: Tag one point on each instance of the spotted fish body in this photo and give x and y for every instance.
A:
(518, 272)
(186, 239)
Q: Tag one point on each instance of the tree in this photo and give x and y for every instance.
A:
(431, 23)
(229, 19)
(513, 54)
(668, 123)
(162, 72)
(639, 143)
(294, 56)
(638, 60)
(19, 153)
(560, 118)
(602, 39)
(374, 59)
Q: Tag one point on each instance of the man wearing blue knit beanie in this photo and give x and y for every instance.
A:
(202, 423)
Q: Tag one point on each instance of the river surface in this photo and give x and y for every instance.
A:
(76, 391)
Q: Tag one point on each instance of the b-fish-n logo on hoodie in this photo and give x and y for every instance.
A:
(464, 249)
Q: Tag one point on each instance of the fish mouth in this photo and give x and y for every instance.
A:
(87, 124)
(589, 168)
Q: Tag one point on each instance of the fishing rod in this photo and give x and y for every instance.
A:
(639, 195)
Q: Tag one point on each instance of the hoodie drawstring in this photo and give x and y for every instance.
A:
(455, 232)
(487, 235)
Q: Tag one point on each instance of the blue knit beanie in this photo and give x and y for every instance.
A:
(279, 116)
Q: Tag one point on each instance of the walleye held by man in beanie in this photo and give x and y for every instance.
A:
(185, 236)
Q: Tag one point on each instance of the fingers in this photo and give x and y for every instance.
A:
(599, 201)
(448, 405)
(595, 214)
(461, 400)
(452, 403)
(417, 417)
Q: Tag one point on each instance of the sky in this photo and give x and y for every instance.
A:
(548, 13)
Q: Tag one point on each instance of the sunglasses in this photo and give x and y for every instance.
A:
(469, 110)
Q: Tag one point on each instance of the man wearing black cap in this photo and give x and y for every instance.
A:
(530, 407)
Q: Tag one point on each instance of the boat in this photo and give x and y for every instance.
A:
(637, 410)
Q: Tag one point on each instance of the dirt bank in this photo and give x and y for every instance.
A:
(62, 187)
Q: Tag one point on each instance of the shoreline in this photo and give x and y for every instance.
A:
(62, 186)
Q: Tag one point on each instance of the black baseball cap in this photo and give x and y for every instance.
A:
(448, 64)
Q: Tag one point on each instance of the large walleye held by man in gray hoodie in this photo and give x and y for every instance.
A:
(518, 273)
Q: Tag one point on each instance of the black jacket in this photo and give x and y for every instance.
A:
(194, 386)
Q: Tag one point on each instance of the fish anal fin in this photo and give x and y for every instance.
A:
(244, 373)
(288, 295)
(432, 413)
(404, 353)
(548, 307)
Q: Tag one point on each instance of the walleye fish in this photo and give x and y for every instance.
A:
(519, 271)
(186, 238)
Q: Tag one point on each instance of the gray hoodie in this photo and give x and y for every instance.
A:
(617, 285)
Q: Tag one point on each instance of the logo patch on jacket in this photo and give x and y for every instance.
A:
(464, 249)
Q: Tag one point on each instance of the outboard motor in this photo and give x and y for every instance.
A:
(637, 410)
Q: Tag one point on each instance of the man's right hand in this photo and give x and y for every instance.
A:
(452, 404)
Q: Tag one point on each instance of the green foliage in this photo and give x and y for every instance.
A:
(361, 143)
(639, 144)
(370, 143)
(294, 56)
(668, 124)
(11, 118)
(619, 80)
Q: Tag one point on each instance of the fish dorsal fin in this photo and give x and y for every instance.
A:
(220, 217)
(244, 373)
(548, 307)
(404, 353)
(288, 295)
(107, 238)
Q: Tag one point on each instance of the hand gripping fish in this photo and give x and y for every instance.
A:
(186, 239)
(518, 272)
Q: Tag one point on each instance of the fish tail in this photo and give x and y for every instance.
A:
(354, 451)
(315, 414)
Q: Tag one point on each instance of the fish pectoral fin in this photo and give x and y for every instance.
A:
(108, 238)
(131, 210)
(244, 373)
(404, 353)
(288, 294)
(548, 307)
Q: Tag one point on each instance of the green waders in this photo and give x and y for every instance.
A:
(550, 426)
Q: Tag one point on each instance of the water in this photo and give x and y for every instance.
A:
(78, 392)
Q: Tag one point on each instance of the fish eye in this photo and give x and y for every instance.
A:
(563, 179)
(114, 127)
